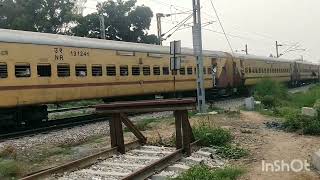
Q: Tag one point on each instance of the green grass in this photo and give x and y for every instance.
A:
(206, 173)
(231, 152)
(288, 106)
(212, 136)
(55, 151)
(10, 169)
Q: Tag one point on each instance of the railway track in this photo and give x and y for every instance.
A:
(139, 162)
(54, 125)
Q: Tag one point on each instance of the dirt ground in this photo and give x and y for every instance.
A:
(269, 145)
(263, 143)
(250, 132)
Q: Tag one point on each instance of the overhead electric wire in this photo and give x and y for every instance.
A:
(225, 34)
(176, 27)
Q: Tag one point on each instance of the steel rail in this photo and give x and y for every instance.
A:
(79, 164)
(159, 165)
(58, 124)
(69, 109)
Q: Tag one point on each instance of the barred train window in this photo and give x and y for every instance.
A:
(189, 71)
(204, 70)
(165, 70)
(81, 70)
(146, 70)
(44, 70)
(156, 71)
(209, 71)
(135, 70)
(124, 71)
(96, 70)
(3, 70)
(63, 70)
(22, 70)
(182, 71)
(111, 70)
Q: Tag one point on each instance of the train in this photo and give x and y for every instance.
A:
(37, 69)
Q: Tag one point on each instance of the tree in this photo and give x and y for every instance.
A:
(124, 21)
(50, 16)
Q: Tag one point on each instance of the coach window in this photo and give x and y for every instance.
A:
(81, 70)
(111, 70)
(44, 70)
(135, 70)
(22, 70)
(156, 71)
(182, 71)
(146, 70)
(96, 70)
(246, 70)
(249, 69)
(63, 70)
(209, 71)
(189, 71)
(124, 71)
(165, 71)
(204, 70)
(3, 70)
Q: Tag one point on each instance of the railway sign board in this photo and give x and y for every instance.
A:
(175, 63)
(175, 47)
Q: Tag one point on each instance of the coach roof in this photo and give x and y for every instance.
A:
(25, 37)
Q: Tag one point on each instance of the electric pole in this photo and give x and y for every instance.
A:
(197, 48)
(277, 48)
(246, 49)
(159, 16)
(102, 27)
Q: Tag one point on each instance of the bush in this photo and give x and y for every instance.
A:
(210, 136)
(287, 112)
(231, 152)
(205, 173)
(270, 88)
(292, 123)
(310, 125)
(268, 101)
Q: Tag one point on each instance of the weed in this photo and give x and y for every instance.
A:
(8, 152)
(211, 136)
(270, 91)
(205, 173)
(231, 152)
(158, 140)
(288, 106)
(143, 125)
(10, 169)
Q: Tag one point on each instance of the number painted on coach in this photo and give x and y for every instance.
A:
(79, 53)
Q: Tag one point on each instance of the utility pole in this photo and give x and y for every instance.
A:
(197, 48)
(246, 49)
(277, 48)
(159, 16)
(102, 27)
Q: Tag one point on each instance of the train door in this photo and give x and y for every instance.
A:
(238, 72)
(295, 74)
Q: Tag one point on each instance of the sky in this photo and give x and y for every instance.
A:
(257, 23)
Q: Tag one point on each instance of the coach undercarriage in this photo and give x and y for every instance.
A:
(30, 116)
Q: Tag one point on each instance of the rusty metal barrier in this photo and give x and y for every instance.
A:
(180, 107)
